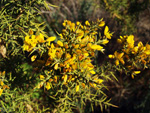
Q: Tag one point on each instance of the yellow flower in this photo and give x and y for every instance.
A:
(76, 46)
(86, 54)
(100, 81)
(78, 51)
(96, 47)
(27, 40)
(72, 26)
(42, 77)
(67, 56)
(111, 56)
(87, 23)
(147, 52)
(48, 86)
(33, 58)
(5, 86)
(118, 57)
(50, 39)
(65, 78)
(1, 83)
(80, 34)
(48, 62)
(92, 85)
(30, 32)
(52, 46)
(1, 91)
(60, 43)
(136, 72)
(105, 41)
(92, 72)
(74, 66)
(102, 23)
(55, 79)
(107, 32)
(51, 53)
(134, 50)
(78, 23)
(89, 45)
(66, 46)
(56, 66)
(26, 47)
(140, 46)
(40, 38)
(148, 46)
(64, 24)
(83, 85)
(40, 85)
(61, 36)
(85, 39)
(77, 88)
(130, 41)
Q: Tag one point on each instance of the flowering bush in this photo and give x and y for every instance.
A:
(133, 58)
(59, 73)
(67, 69)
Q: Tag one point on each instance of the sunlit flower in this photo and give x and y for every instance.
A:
(102, 23)
(50, 39)
(119, 58)
(96, 47)
(30, 32)
(92, 72)
(105, 41)
(40, 38)
(107, 32)
(60, 43)
(56, 66)
(111, 56)
(42, 77)
(130, 41)
(87, 23)
(65, 78)
(1, 91)
(47, 86)
(33, 58)
(77, 88)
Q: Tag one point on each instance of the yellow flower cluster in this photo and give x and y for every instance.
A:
(31, 42)
(132, 56)
(2, 85)
(70, 59)
(72, 54)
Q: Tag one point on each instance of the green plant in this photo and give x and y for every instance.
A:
(123, 13)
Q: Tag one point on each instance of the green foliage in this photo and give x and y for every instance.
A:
(17, 17)
(125, 12)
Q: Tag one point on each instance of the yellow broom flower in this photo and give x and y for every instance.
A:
(50, 39)
(42, 77)
(47, 86)
(65, 78)
(130, 41)
(77, 88)
(107, 32)
(60, 43)
(96, 47)
(1, 91)
(102, 23)
(33, 58)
